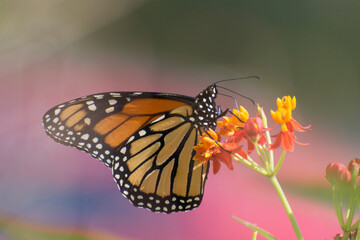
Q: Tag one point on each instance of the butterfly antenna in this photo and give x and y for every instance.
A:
(250, 99)
(238, 78)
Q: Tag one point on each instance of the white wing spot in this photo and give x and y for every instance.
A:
(90, 102)
(99, 96)
(130, 139)
(109, 110)
(95, 140)
(112, 102)
(87, 121)
(85, 136)
(57, 111)
(116, 166)
(123, 150)
(159, 119)
(142, 133)
(92, 107)
(99, 146)
(115, 94)
(55, 120)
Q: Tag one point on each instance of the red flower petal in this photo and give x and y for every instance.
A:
(293, 124)
(287, 141)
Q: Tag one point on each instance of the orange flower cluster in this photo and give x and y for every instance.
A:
(210, 149)
(239, 127)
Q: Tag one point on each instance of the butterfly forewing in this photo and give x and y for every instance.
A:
(99, 124)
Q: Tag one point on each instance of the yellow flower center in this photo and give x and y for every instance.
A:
(283, 113)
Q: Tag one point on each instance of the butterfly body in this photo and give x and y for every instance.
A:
(147, 140)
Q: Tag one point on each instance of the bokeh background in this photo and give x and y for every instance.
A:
(54, 51)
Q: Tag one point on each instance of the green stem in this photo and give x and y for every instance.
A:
(356, 225)
(337, 207)
(358, 232)
(279, 163)
(260, 156)
(351, 211)
(251, 164)
(287, 207)
(268, 138)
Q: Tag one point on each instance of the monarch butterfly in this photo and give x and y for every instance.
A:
(146, 138)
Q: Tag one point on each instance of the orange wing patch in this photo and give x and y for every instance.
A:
(150, 106)
(69, 111)
(125, 130)
(108, 124)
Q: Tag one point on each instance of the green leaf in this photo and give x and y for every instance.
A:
(255, 228)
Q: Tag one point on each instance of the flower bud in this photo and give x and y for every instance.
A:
(254, 129)
(337, 173)
(354, 165)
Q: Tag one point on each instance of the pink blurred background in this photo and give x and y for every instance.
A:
(52, 55)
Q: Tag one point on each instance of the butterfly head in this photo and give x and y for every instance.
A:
(205, 107)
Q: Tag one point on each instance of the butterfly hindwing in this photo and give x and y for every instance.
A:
(155, 169)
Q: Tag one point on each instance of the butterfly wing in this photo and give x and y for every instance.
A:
(101, 123)
(155, 169)
(146, 138)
